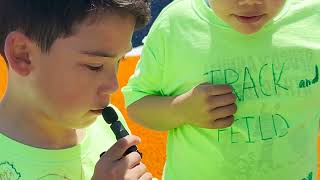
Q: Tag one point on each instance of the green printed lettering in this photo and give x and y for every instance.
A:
(244, 87)
(260, 80)
(211, 75)
(308, 82)
(8, 171)
(261, 131)
(302, 84)
(276, 80)
(281, 118)
(220, 130)
(233, 133)
(309, 177)
(267, 128)
(316, 77)
(248, 128)
(231, 73)
(274, 126)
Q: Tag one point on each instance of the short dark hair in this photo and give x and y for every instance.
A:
(44, 21)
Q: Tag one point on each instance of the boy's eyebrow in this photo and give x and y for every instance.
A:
(104, 54)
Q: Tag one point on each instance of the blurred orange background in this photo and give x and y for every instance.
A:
(153, 142)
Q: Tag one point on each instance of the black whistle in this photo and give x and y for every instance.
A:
(111, 117)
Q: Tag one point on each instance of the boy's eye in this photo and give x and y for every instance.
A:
(95, 67)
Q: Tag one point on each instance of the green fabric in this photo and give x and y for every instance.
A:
(274, 73)
(19, 161)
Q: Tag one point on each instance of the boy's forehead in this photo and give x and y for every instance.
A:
(107, 36)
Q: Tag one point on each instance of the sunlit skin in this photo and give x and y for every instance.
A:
(247, 16)
(52, 94)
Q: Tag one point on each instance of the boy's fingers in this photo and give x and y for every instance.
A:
(131, 160)
(222, 100)
(147, 176)
(214, 90)
(118, 149)
(223, 122)
(225, 111)
(139, 170)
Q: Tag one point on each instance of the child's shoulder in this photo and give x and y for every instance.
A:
(176, 5)
(305, 4)
(300, 10)
(176, 10)
(295, 2)
(177, 13)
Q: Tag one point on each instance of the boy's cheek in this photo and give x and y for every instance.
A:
(68, 103)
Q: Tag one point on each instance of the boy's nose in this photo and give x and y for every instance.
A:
(250, 2)
(109, 87)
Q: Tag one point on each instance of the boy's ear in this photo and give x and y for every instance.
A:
(17, 50)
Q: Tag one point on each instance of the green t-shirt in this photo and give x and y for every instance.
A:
(19, 161)
(274, 73)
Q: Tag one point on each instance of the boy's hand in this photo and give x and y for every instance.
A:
(206, 106)
(113, 166)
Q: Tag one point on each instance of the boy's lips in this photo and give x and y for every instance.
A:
(249, 19)
(96, 111)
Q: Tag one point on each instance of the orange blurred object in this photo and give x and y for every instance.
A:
(3, 77)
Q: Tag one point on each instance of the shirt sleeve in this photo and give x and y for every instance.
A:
(148, 76)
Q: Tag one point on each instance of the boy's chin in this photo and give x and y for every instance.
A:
(82, 124)
(248, 30)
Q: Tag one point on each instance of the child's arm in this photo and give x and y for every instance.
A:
(206, 105)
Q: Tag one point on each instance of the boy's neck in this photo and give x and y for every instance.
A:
(17, 123)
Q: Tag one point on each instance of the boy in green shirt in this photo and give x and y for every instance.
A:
(236, 84)
(63, 58)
